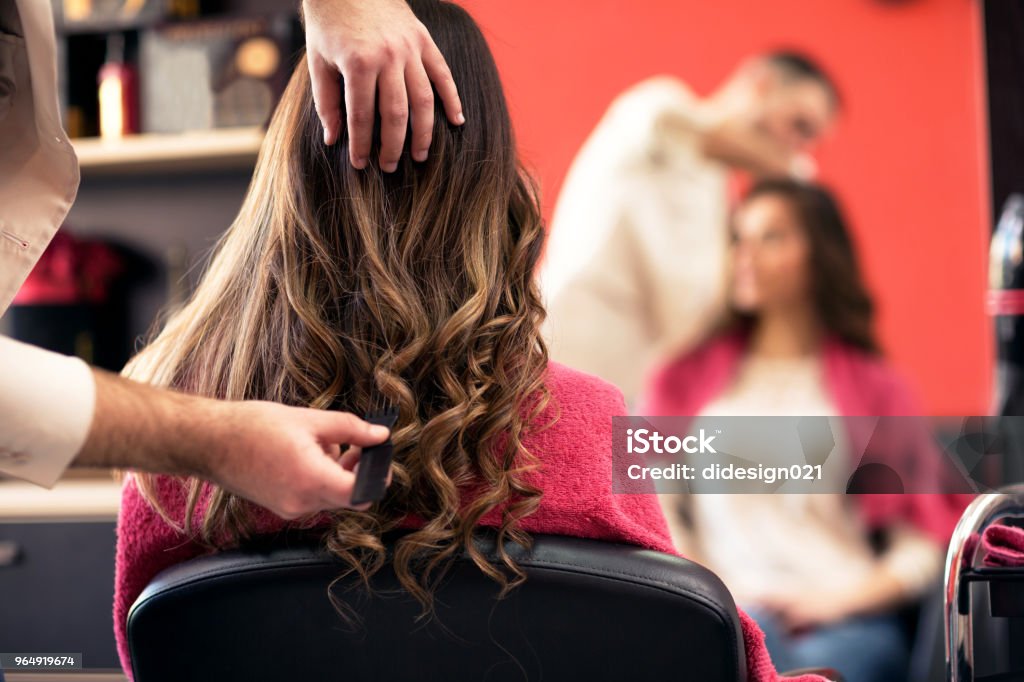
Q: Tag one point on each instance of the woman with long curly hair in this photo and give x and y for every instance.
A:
(336, 288)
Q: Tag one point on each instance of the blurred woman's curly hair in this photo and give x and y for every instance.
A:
(840, 297)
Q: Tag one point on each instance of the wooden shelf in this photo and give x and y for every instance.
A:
(69, 500)
(222, 149)
(102, 26)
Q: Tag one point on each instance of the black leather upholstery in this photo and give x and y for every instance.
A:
(589, 611)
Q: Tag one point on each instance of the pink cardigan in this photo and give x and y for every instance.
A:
(859, 383)
(576, 478)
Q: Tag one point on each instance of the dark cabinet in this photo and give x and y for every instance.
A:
(57, 590)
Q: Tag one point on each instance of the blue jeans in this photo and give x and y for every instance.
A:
(862, 649)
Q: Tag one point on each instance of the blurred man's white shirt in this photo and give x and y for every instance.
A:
(635, 265)
(46, 400)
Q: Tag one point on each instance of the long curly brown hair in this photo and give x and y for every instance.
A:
(841, 298)
(333, 284)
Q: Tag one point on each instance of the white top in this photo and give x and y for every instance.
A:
(790, 545)
(635, 264)
(46, 400)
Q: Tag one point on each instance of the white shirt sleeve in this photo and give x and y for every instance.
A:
(635, 267)
(47, 402)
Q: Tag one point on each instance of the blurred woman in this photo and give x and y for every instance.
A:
(335, 288)
(800, 341)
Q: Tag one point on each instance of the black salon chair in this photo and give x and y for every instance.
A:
(589, 611)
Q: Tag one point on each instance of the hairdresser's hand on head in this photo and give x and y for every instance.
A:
(385, 53)
(283, 458)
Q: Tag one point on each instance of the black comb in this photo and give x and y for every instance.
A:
(375, 461)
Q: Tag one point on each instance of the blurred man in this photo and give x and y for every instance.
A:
(635, 267)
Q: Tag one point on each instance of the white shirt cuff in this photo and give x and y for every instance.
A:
(47, 402)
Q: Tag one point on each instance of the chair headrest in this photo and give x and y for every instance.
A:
(588, 610)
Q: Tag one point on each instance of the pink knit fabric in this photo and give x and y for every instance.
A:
(576, 476)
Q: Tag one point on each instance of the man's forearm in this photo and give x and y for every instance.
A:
(141, 427)
(746, 149)
(733, 145)
(55, 409)
(287, 459)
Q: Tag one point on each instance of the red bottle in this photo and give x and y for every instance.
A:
(118, 93)
(1006, 305)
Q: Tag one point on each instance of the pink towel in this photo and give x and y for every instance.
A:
(576, 478)
(1003, 546)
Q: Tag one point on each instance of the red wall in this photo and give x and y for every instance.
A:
(907, 157)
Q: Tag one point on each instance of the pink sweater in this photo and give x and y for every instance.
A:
(860, 384)
(576, 479)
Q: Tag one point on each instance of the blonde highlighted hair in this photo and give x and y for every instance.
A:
(334, 284)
